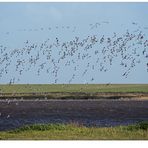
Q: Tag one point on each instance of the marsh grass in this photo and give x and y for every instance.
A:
(75, 131)
(138, 126)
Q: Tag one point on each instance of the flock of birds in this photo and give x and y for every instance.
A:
(81, 56)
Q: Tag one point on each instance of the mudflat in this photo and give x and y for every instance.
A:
(91, 112)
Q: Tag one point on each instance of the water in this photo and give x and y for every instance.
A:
(100, 113)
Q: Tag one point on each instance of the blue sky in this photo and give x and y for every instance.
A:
(31, 21)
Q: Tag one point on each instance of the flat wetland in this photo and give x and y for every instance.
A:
(86, 108)
(87, 88)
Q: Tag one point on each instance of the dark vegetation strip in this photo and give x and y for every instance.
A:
(72, 95)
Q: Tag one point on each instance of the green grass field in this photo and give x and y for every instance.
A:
(87, 88)
(77, 132)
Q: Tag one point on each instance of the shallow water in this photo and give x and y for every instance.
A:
(100, 113)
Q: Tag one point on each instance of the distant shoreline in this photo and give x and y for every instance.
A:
(74, 91)
(74, 96)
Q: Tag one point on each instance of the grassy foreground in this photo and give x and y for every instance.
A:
(77, 132)
(87, 88)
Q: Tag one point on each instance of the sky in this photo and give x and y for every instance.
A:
(36, 22)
